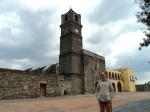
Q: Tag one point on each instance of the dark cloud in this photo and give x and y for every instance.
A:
(137, 60)
(113, 19)
(110, 11)
(118, 16)
(35, 37)
(31, 37)
(7, 6)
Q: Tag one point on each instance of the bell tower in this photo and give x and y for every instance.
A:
(70, 44)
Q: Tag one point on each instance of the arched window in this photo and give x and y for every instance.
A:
(109, 75)
(66, 17)
(133, 78)
(130, 78)
(113, 77)
(119, 86)
(114, 86)
(76, 18)
(96, 65)
(116, 76)
(96, 85)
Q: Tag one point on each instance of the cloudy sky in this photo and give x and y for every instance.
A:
(30, 33)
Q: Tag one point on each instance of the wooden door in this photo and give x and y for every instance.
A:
(42, 89)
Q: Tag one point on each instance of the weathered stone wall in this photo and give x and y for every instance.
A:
(65, 43)
(66, 85)
(64, 64)
(143, 87)
(70, 63)
(72, 84)
(77, 85)
(93, 64)
(16, 84)
(147, 87)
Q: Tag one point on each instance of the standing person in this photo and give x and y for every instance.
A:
(104, 94)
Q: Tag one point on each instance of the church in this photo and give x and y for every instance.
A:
(76, 72)
(79, 65)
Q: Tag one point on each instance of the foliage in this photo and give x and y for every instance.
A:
(144, 17)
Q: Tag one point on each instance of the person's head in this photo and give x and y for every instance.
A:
(102, 76)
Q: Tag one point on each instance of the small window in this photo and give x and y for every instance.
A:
(66, 18)
(96, 65)
(130, 78)
(76, 18)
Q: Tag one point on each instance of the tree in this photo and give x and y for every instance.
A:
(144, 17)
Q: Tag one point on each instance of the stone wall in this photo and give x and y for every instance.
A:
(93, 64)
(15, 84)
(77, 85)
(67, 85)
(143, 87)
(72, 84)
(71, 64)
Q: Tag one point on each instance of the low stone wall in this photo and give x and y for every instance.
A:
(15, 84)
(143, 87)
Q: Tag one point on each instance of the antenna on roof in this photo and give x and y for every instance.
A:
(70, 3)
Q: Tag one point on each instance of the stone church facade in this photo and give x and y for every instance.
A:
(76, 72)
(81, 66)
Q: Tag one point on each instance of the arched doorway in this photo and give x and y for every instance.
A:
(96, 85)
(119, 87)
(114, 86)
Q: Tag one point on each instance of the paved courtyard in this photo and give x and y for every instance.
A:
(122, 102)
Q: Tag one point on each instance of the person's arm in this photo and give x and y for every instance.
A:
(111, 90)
(97, 88)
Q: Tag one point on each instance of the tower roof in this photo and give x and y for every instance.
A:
(71, 16)
(71, 11)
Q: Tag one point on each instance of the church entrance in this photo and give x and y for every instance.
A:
(119, 87)
(95, 87)
(42, 89)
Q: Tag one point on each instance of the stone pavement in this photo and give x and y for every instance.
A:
(139, 106)
(122, 102)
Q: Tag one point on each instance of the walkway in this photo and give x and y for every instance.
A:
(122, 102)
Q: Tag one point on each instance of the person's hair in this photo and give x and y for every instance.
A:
(100, 73)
